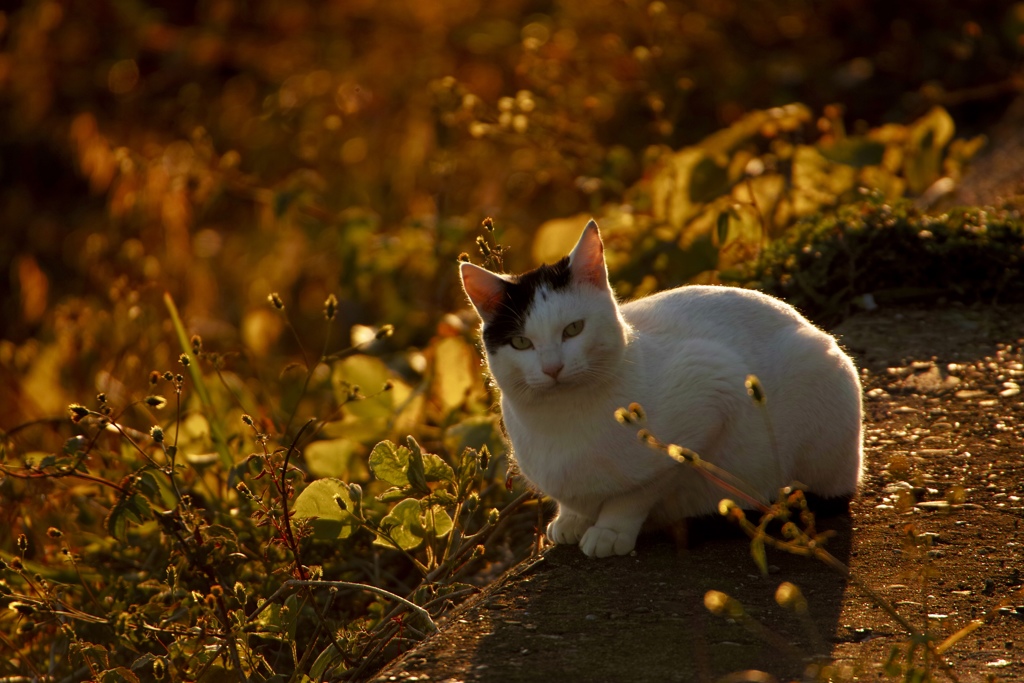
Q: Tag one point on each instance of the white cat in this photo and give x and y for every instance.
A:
(566, 355)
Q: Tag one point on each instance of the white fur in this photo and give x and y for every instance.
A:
(684, 355)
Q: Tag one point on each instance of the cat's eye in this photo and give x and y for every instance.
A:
(521, 343)
(572, 329)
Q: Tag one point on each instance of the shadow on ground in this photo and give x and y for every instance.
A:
(600, 617)
(603, 620)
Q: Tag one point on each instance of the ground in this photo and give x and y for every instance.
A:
(943, 435)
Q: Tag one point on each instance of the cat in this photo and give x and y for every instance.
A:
(565, 355)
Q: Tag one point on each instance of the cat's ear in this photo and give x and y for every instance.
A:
(484, 289)
(587, 258)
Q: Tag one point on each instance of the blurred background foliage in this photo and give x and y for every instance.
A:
(221, 150)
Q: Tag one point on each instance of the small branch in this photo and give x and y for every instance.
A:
(283, 488)
(353, 586)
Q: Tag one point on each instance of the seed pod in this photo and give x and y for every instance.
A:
(755, 390)
(788, 595)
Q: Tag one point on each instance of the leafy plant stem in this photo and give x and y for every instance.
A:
(217, 431)
(283, 489)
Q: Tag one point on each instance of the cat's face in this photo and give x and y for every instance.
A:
(553, 329)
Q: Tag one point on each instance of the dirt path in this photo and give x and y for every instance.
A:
(945, 422)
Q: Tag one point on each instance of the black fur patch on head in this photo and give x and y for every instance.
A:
(518, 298)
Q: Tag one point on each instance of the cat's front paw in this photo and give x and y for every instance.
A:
(601, 541)
(567, 528)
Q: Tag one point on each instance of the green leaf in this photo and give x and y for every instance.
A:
(390, 463)
(722, 227)
(468, 468)
(926, 140)
(857, 152)
(329, 458)
(158, 488)
(416, 472)
(475, 432)
(269, 622)
(408, 525)
(118, 674)
(403, 525)
(434, 466)
(456, 372)
(393, 494)
(130, 508)
(441, 497)
(438, 521)
(369, 374)
(404, 467)
(708, 180)
(327, 658)
(76, 445)
(318, 503)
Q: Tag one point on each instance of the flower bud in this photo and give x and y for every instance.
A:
(77, 412)
(355, 493)
(331, 307)
(22, 608)
(243, 490)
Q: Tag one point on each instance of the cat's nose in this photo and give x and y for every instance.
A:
(552, 370)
